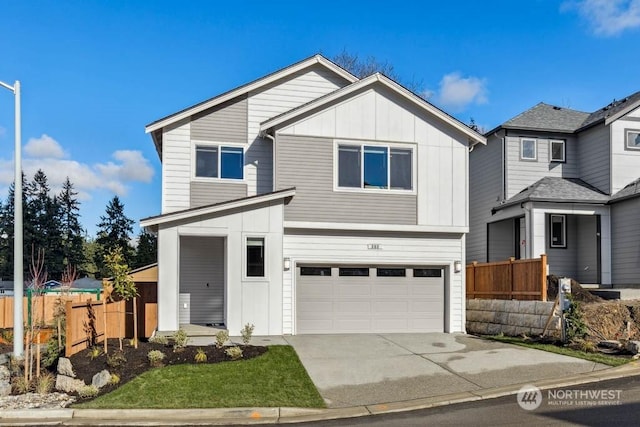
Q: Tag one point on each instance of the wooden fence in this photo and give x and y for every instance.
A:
(86, 323)
(42, 307)
(524, 279)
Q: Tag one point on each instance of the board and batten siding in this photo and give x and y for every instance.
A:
(176, 166)
(625, 242)
(272, 100)
(502, 240)
(587, 244)
(307, 164)
(378, 114)
(522, 173)
(485, 192)
(399, 249)
(595, 157)
(224, 123)
(202, 277)
(207, 193)
(625, 163)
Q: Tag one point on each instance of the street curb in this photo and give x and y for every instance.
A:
(286, 415)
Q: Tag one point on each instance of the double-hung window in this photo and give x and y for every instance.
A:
(557, 149)
(528, 149)
(632, 139)
(219, 161)
(375, 167)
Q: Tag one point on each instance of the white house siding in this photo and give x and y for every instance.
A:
(378, 114)
(485, 192)
(176, 166)
(343, 247)
(625, 163)
(595, 157)
(275, 99)
(248, 300)
(307, 164)
(522, 173)
(626, 242)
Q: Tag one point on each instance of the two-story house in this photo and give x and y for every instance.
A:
(562, 182)
(309, 201)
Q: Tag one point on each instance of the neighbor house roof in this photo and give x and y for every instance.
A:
(554, 189)
(376, 78)
(155, 128)
(614, 110)
(217, 207)
(629, 191)
(547, 117)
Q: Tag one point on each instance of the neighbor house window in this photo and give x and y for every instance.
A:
(558, 232)
(557, 151)
(633, 139)
(219, 162)
(375, 166)
(255, 257)
(528, 149)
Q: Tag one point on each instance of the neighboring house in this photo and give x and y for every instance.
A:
(562, 182)
(309, 201)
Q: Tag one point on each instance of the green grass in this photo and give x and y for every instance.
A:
(276, 378)
(593, 357)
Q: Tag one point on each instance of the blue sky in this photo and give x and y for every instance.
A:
(95, 73)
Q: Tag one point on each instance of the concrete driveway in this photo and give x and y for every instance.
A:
(351, 370)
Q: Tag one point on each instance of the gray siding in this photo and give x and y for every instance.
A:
(224, 123)
(207, 193)
(595, 157)
(625, 242)
(202, 277)
(485, 190)
(307, 164)
(522, 173)
(587, 242)
(501, 240)
(563, 261)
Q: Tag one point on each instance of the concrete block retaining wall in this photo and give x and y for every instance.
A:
(509, 317)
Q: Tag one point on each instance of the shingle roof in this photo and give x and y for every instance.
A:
(631, 190)
(548, 117)
(554, 189)
(611, 109)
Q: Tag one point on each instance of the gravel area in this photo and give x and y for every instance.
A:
(36, 401)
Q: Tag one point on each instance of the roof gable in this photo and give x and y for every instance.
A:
(548, 118)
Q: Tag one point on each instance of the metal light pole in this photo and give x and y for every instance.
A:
(18, 279)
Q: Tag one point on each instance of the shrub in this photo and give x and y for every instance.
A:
(246, 333)
(159, 339)
(200, 356)
(116, 359)
(234, 352)
(180, 340)
(115, 379)
(221, 338)
(52, 353)
(94, 353)
(155, 358)
(44, 383)
(20, 385)
(576, 328)
(88, 391)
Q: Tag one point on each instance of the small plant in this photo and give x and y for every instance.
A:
(133, 342)
(234, 352)
(6, 335)
(180, 340)
(20, 385)
(44, 383)
(246, 333)
(88, 391)
(200, 356)
(159, 339)
(221, 338)
(116, 359)
(94, 353)
(576, 328)
(155, 358)
(115, 379)
(52, 353)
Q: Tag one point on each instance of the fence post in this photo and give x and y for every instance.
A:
(543, 277)
(473, 278)
(513, 279)
(69, 330)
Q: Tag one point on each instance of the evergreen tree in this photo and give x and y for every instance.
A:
(7, 233)
(71, 230)
(114, 231)
(147, 250)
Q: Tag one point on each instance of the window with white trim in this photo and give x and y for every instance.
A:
(375, 167)
(528, 149)
(557, 151)
(255, 257)
(558, 231)
(632, 139)
(219, 161)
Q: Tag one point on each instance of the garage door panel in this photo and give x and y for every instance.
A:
(390, 290)
(352, 325)
(391, 307)
(309, 307)
(353, 290)
(356, 306)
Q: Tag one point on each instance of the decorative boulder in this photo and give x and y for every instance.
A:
(68, 384)
(5, 381)
(101, 379)
(633, 347)
(65, 368)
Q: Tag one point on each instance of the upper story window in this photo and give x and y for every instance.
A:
(633, 139)
(375, 167)
(218, 161)
(557, 151)
(528, 149)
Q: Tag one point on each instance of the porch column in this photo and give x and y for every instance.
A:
(538, 232)
(168, 261)
(605, 245)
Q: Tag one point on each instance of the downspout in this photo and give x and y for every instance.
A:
(273, 160)
(504, 166)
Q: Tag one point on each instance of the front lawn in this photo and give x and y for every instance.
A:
(276, 378)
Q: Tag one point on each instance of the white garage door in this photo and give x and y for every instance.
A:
(369, 299)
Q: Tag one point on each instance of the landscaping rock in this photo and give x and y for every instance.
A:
(4, 359)
(101, 379)
(633, 347)
(5, 381)
(35, 400)
(68, 384)
(5, 374)
(65, 368)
